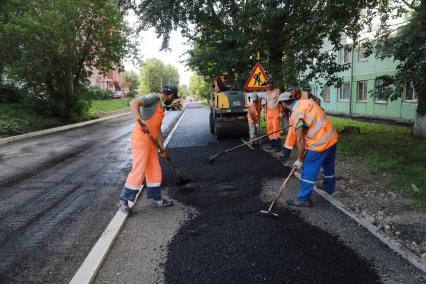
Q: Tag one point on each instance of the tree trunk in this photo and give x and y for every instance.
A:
(419, 127)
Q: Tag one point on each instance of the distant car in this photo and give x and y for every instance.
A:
(118, 95)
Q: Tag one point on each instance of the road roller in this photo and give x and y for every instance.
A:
(228, 113)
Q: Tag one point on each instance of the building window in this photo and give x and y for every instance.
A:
(410, 93)
(326, 94)
(362, 91)
(381, 91)
(316, 91)
(346, 55)
(345, 92)
(362, 52)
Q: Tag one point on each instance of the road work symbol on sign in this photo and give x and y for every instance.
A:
(257, 79)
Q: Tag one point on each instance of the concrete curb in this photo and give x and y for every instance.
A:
(57, 129)
(94, 260)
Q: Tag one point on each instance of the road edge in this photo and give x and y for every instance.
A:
(11, 139)
(390, 243)
(94, 260)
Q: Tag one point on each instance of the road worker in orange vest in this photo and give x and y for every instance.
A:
(317, 136)
(272, 115)
(291, 138)
(253, 114)
(148, 109)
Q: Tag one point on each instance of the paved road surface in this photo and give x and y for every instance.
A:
(57, 195)
(215, 234)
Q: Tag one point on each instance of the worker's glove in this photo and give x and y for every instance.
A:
(143, 125)
(164, 153)
(298, 165)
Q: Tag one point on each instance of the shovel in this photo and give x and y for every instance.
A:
(182, 180)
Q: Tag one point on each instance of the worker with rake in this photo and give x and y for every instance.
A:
(148, 112)
(317, 136)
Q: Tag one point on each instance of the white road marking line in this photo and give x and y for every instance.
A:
(93, 262)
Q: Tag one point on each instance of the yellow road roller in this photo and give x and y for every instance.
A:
(228, 112)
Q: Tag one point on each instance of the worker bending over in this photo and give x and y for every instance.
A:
(145, 162)
(296, 94)
(317, 136)
(273, 115)
(253, 114)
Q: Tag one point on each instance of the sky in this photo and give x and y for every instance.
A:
(150, 47)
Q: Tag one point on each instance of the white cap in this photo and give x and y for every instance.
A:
(286, 96)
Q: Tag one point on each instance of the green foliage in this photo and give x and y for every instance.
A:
(154, 74)
(406, 44)
(225, 35)
(183, 90)
(100, 106)
(133, 78)
(49, 46)
(199, 87)
(18, 119)
(97, 93)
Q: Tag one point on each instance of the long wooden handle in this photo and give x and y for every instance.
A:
(282, 188)
(249, 142)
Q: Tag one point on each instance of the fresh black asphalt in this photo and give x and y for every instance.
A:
(230, 241)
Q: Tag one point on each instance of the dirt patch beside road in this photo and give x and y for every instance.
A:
(391, 211)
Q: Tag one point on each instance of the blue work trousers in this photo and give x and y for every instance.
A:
(312, 165)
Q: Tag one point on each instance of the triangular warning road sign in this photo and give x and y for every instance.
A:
(257, 79)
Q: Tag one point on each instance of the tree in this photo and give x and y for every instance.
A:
(183, 90)
(154, 74)
(133, 78)
(406, 44)
(225, 35)
(49, 46)
(199, 87)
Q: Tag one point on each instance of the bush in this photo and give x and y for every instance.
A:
(132, 94)
(96, 93)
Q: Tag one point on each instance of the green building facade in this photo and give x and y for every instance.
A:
(355, 98)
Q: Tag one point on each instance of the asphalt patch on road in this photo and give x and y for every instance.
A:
(231, 242)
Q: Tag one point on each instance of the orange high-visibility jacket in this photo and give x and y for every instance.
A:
(291, 138)
(321, 134)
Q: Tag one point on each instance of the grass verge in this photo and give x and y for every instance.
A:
(388, 150)
(101, 106)
(18, 119)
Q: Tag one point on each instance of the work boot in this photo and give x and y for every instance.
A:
(162, 203)
(278, 145)
(299, 203)
(270, 147)
(124, 206)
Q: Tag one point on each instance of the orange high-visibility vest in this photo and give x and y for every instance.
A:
(291, 138)
(321, 134)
